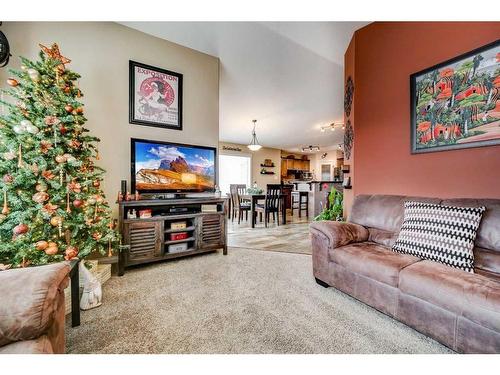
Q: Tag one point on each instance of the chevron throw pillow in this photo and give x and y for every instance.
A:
(444, 234)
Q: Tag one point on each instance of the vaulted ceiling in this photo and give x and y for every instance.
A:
(287, 75)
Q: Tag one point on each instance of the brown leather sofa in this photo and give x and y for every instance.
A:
(32, 311)
(459, 309)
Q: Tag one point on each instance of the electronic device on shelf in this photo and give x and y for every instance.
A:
(172, 169)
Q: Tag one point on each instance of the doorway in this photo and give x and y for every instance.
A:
(234, 169)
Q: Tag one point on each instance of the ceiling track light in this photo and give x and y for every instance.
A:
(332, 126)
(310, 148)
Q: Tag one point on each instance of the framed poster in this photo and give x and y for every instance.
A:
(155, 96)
(456, 104)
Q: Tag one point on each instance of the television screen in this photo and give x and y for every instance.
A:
(171, 167)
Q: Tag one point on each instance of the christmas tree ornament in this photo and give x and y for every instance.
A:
(8, 179)
(77, 203)
(12, 82)
(42, 186)
(68, 208)
(9, 155)
(5, 209)
(33, 74)
(41, 245)
(97, 156)
(60, 159)
(35, 169)
(70, 252)
(97, 236)
(18, 129)
(96, 183)
(52, 249)
(32, 129)
(50, 209)
(69, 158)
(40, 197)
(67, 89)
(48, 175)
(75, 187)
(20, 157)
(59, 227)
(68, 108)
(79, 110)
(45, 146)
(20, 229)
(51, 120)
(63, 130)
(55, 221)
(61, 176)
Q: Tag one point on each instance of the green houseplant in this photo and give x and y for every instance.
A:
(334, 210)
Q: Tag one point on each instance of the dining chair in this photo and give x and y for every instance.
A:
(272, 204)
(239, 205)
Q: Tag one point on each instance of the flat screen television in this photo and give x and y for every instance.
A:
(165, 167)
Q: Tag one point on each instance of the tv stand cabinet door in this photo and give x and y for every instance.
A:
(145, 240)
(211, 231)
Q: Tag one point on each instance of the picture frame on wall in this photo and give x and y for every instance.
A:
(155, 96)
(456, 104)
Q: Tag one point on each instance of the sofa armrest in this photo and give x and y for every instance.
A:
(339, 233)
(29, 300)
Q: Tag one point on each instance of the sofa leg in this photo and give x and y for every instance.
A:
(322, 283)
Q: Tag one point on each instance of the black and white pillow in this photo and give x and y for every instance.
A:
(444, 234)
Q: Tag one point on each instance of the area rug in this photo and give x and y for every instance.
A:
(290, 238)
(246, 302)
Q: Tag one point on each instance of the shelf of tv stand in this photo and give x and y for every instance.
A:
(171, 242)
(187, 229)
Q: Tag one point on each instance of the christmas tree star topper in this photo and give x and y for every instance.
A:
(54, 53)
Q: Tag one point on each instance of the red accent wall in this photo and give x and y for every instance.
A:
(385, 56)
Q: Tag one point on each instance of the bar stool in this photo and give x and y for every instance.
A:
(300, 201)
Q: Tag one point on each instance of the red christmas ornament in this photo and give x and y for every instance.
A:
(20, 229)
(68, 108)
(96, 183)
(79, 110)
(77, 203)
(63, 129)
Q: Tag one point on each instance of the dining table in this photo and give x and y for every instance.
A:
(254, 199)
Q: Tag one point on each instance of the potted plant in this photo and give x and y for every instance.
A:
(334, 209)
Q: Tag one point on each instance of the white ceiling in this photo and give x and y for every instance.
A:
(287, 75)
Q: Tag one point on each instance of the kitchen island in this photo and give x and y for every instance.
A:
(318, 193)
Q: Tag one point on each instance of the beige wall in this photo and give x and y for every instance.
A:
(100, 52)
(258, 158)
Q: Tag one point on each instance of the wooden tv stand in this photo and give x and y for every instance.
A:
(149, 238)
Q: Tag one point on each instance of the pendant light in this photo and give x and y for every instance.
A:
(254, 145)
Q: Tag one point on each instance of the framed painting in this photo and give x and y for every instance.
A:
(155, 96)
(456, 104)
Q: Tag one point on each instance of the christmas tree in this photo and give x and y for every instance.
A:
(53, 204)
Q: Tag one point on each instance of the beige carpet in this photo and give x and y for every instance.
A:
(246, 302)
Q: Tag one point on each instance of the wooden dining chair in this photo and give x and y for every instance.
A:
(239, 206)
(272, 204)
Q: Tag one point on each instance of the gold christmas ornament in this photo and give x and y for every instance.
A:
(20, 157)
(60, 159)
(40, 197)
(33, 74)
(52, 249)
(5, 209)
(12, 82)
(41, 245)
(70, 252)
(56, 221)
(42, 186)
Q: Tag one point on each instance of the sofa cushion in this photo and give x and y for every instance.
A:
(372, 260)
(382, 211)
(473, 296)
(29, 300)
(443, 234)
(40, 345)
